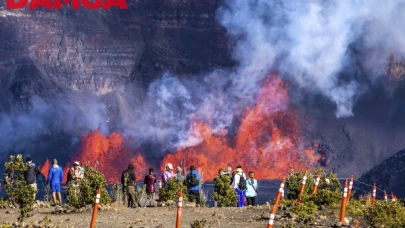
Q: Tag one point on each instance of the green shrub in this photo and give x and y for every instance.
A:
(327, 197)
(80, 195)
(224, 194)
(294, 179)
(305, 211)
(2, 201)
(355, 208)
(17, 189)
(171, 190)
(385, 213)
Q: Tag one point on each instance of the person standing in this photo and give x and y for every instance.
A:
(193, 185)
(76, 173)
(128, 181)
(55, 177)
(150, 181)
(168, 173)
(239, 184)
(178, 174)
(251, 192)
(31, 174)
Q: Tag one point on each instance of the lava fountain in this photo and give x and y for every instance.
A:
(268, 143)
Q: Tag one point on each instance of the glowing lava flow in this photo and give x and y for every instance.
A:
(267, 143)
(110, 153)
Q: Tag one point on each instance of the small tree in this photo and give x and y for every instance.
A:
(18, 190)
(84, 193)
(224, 194)
(171, 190)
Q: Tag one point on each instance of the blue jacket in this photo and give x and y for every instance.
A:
(195, 188)
(55, 175)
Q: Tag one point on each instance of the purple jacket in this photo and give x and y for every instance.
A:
(166, 176)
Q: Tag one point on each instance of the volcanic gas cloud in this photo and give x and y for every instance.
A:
(268, 142)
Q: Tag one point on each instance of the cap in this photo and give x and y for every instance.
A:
(238, 170)
(169, 166)
(76, 163)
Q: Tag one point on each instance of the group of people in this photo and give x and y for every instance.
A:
(245, 188)
(55, 177)
(128, 181)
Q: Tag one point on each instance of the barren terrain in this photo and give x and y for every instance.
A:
(150, 217)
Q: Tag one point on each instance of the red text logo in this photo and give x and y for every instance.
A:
(57, 4)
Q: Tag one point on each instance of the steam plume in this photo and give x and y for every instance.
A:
(311, 40)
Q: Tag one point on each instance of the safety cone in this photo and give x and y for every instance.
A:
(315, 188)
(349, 192)
(179, 205)
(95, 208)
(275, 205)
(302, 188)
(343, 206)
(374, 194)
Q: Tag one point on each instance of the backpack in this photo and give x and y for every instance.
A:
(192, 180)
(126, 181)
(242, 183)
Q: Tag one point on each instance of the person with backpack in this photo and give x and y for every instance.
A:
(239, 184)
(76, 173)
(192, 182)
(55, 178)
(128, 181)
(150, 181)
(31, 174)
(251, 191)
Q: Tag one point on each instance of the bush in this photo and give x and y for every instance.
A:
(17, 190)
(327, 197)
(171, 190)
(80, 195)
(355, 208)
(224, 194)
(385, 213)
(294, 179)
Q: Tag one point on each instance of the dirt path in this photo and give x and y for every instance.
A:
(151, 217)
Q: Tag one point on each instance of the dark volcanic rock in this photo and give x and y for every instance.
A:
(46, 51)
(389, 175)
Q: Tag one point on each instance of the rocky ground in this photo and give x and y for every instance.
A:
(118, 216)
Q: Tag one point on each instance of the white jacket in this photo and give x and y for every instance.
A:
(236, 179)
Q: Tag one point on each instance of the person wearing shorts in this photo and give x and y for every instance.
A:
(55, 177)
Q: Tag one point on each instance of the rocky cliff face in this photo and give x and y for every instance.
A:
(48, 53)
(389, 175)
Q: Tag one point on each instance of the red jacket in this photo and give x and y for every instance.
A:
(150, 181)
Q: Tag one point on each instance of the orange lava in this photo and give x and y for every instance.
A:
(268, 141)
(45, 168)
(109, 153)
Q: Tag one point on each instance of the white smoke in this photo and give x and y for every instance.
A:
(73, 115)
(311, 39)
